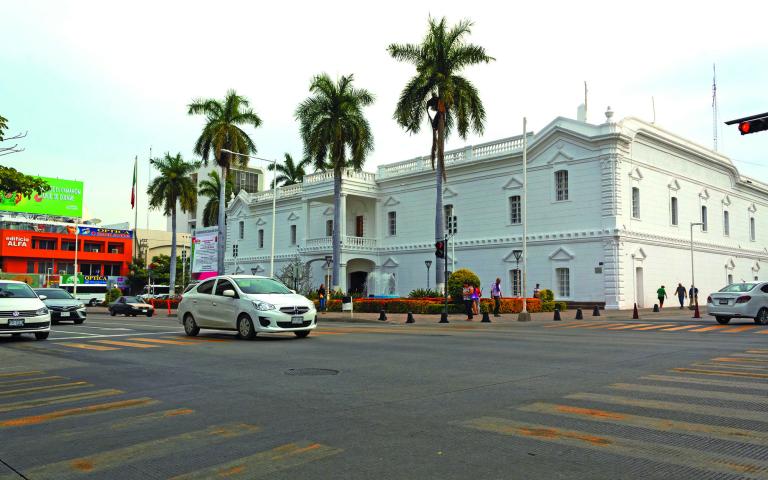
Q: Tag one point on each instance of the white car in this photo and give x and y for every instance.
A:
(23, 311)
(740, 300)
(248, 305)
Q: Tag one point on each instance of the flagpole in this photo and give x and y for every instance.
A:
(149, 174)
(136, 206)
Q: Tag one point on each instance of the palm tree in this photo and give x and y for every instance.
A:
(211, 188)
(174, 186)
(222, 131)
(438, 87)
(290, 173)
(335, 131)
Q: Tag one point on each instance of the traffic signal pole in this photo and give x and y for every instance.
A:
(444, 316)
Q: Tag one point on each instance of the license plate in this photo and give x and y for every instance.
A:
(143, 310)
(64, 314)
(723, 302)
(15, 322)
(297, 320)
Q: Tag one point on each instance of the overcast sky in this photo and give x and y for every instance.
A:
(96, 83)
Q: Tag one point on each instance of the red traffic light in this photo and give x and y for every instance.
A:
(744, 127)
(440, 249)
(751, 126)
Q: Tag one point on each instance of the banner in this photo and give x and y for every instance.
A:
(84, 279)
(205, 252)
(64, 199)
(104, 232)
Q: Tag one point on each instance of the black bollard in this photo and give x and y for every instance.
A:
(382, 315)
(443, 318)
(579, 314)
(556, 318)
(410, 319)
(655, 308)
(596, 311)
(486, 318)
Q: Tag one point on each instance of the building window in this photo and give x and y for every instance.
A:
(241, 230)
(329, 228)
(90, 269)
(517, 282)
(65, 268)
(44, 266)
(561, 185)
(92, 247)
(726, 223)
(30, 266)
(234, 250)
(673, 210)
(752, 229)
(392, 223)
(563, 282)
(110, 269)
(635, 202)
(68, 245)
(359, 226)
(451, 221)
(43, 244)
(703, 218)
(261, 238)
(293, 234)
(115, 248)
(244, 180)
(515, 210)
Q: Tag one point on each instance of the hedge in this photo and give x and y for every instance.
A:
(432, 305)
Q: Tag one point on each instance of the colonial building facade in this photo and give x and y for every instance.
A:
(610, 209)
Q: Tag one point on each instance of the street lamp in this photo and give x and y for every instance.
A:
(274, 203)
(524, 316)
(428, 263)
(693, 281)
(518, 254)
(328, 262)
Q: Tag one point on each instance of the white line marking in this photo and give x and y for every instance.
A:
(56, 330)
(53, 339)
(137, 325)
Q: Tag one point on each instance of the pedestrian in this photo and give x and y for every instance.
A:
(693, 296)
(476, 300)
(661, 294)
(496, 295)
(681, 295)
(321, 294)
(467, 293)
(536, 291)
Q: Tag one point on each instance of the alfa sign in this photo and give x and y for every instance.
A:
(17, 241)
(64, 199)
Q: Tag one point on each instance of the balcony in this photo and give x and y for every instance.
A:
(348, 242)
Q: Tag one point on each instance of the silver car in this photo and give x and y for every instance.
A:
(740, 300)
(62, 305)
(248, 305)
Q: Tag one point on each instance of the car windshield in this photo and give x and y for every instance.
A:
(261, 286)
(738, 287)
(133, 300)
(16, 290)
(55, 294)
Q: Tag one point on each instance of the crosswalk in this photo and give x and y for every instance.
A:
(705, 420)
(658, 327)
(158, 432)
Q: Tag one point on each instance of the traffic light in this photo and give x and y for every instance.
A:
(752, 126)
(440, 249)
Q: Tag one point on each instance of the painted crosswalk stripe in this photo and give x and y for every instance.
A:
(762, 331)
(710, 328)
(722, 373)
(730, 366)
(654, 327)
(575, 325)
(685, 392)
(742, 328)
(125, 344)
(606, 325)
(764, 352)
(161, 341)
(77, 412)
(264, 464)
(21, 374)
(687, 457)
(141, 452)
(660, 424)
(635, 325)
(745, 360)
(707, 381)
(756, 356)
(202, 339)
(42, 402)
(134, 422)
(87, 346)
(27, 381)
(46, 388)
(683, 327)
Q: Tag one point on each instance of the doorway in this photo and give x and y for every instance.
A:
(358, 283)
(359, 226)
(639, 286)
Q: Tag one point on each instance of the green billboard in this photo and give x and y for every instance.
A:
(64, 199)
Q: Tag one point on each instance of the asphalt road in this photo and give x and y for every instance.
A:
(132, 398)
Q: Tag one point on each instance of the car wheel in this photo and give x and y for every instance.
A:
(79, 321)
(762, 317)
(245, 327)
(92, 303)
(302, 334)
(41, 335)
(190, 326)
(112, 313)
(723, 320)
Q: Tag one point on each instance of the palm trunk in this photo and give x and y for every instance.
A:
(172, 285)
(439, 214)
(222, 245)
(336, 239)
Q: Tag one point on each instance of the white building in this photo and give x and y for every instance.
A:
(609, 214)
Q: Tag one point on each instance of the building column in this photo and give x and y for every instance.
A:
(343, 277)
(379, 220)
(613, 282)
(306, 211)
(343, 218)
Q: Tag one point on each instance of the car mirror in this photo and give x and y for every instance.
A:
(292, 290)
(228, 293)
(43, 297)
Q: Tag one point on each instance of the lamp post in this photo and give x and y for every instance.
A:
(428, 263)
(524, 316)
(77, 247)
(517, 254)
(693, 280)
(274, 203)
(328, 262)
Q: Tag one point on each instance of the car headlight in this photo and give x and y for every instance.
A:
(82, 305)
(263, 306)
(41, 311)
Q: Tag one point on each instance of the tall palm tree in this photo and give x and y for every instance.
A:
(438, 87)
(211, 188)
(222, 131)
(290, 173)
(335, 131)
(173, 186)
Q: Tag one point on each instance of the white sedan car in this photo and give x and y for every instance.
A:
(740, 300)
(23, 311)
(248, 305)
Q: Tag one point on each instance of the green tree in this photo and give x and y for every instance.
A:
(334, 130)
(174, 186)
(14, 183)
(290, 173)
(137, 276)
(437, 87)
(3, 127)
(223, 119)
(211, 188)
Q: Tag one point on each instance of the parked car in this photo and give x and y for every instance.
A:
(23, 311)
(130, 306)
(247, 304)
(740, 300)
(62, 305)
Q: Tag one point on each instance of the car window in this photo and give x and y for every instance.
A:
(261, 286)
(206, 287)
(738, 287)
(121, 300)
(16, 290)
(132, 300)
(765, 288)
(223, 285)
(54, 293)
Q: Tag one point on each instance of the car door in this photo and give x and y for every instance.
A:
(201, 307)
(120, 306)
(224, 308)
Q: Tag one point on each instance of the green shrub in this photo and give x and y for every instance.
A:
(424, 293)
(112, 295)
(546, 295)
(457, 280)
(562, 306)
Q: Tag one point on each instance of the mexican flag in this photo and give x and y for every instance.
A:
(133, 187)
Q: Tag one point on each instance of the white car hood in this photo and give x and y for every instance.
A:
(282, 299)
(12, 304)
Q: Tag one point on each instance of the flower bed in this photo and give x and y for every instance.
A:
(429, 305)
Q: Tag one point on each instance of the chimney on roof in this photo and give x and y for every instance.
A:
(581, 113)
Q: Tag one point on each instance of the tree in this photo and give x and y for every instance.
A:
(222, 131)
(211, 189)
(334, 130)
(297, 275)
(13, 182)
(290, 173)
(437, 87)
(14, 148)
(174, 186)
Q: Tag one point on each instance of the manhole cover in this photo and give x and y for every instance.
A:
(311, 371)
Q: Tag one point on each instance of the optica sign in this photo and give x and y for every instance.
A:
(64, 199)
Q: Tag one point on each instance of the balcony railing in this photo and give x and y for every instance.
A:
(347, 241)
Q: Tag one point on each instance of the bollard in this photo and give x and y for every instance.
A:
(596, 311)
(556, 318)
(382, 315)
(486, 318)
(655, 308)
(443, 318)
(169, 306)
(696, 313)
(579, 314)
(409, 318)
(635, 315)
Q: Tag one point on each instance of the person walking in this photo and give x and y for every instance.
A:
(496, 295)
(467, 293)
(536, 291)
(693, 296)
(322, 294)
(476, 300)
(681, 295)
(661, 294)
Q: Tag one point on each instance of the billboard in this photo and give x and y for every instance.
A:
(205, 252)
(104, 232)
(64, 199)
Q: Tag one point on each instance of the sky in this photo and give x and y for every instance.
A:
(96, 84)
